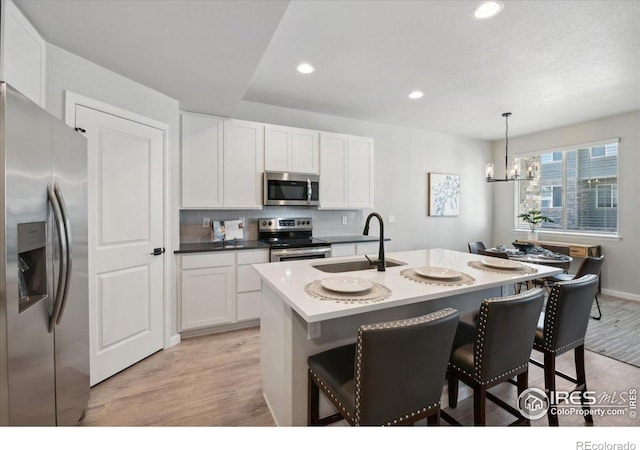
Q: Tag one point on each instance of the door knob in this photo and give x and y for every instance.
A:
(157, 251)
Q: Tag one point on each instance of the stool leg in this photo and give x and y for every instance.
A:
(313, 401)
(453, 391)
(550, 385)
(581, 378)
(434, 419)
(523, 385)
(479, 405)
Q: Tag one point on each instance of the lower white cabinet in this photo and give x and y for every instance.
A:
(219, 288)
(352, 249)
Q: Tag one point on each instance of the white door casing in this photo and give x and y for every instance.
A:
(126, 222)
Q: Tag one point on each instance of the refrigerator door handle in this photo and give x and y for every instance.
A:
(67, 232)
(62, 242)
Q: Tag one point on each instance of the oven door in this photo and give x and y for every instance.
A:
(291, 254)
(291, 189)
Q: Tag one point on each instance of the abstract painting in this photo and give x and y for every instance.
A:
(444, 194)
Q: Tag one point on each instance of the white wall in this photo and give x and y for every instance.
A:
(620, 272)
(403, 157)
(66, 71)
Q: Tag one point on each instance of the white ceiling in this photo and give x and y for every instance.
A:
(551, 63)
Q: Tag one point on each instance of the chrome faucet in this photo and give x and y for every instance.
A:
(380, 262)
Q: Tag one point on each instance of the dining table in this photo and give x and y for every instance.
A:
(546, 258)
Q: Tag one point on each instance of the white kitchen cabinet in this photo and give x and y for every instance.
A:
(346, 171)
(352, 249)
(289, 149)
(208, 291)
(249, 296)
(202, 160)
(333, 174)
(23, 54)
(220, 288)
(243, 164)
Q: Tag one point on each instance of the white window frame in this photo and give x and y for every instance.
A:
(613, 194)
(552, 187)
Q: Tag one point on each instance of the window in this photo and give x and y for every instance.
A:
(576, 187)
(606, 196)
(551, 196)
(550, 157)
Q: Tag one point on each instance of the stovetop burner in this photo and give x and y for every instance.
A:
(288, 232)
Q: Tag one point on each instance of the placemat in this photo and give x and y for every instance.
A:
(376, 294)
(463, 279)
(524, 270)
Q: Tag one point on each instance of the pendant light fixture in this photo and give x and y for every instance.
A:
(512, 175)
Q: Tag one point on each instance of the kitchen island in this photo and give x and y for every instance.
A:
(295, 325)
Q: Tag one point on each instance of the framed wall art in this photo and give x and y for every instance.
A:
(444, 194)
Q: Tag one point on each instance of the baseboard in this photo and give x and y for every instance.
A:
(174, 340)
(219, 328)
(620, 294)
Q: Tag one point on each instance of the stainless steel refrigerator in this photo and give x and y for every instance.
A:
(44, 313)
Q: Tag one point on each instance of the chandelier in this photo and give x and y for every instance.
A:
(512, 175)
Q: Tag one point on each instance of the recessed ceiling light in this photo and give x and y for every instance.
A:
(306, 68)
(488, 9)
(415, 95)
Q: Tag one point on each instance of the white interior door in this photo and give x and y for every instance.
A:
(125, 196)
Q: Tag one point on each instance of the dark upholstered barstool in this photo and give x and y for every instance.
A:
(392, 375)
(563, 328)
(475, 246)
(494, 351)
(589, 265)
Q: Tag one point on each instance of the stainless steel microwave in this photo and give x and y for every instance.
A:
(291, 189)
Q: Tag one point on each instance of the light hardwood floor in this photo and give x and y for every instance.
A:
(214, 380)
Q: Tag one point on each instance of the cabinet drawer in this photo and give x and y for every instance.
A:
(208, 260)
(367, 248)
(249, 305)
(343, 250)
(578, 252)
(248, 279)
(253, 257)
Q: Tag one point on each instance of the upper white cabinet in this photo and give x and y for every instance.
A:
(346, 171)
(202, 161)
(23, 54)
(243, 164)
(222, 162)
(290, 149)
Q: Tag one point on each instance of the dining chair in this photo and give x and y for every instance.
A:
(589, 265)
(393, 375)
(475, 246)
(561, 328)
(493, 351)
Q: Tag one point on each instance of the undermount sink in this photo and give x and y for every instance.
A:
(351, 266)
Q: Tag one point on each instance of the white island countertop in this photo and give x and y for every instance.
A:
(289, 279)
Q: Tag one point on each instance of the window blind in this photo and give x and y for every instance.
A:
(576, 187)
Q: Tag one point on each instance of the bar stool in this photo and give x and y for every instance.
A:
(562, 328)
(392, 375)
(494, 351)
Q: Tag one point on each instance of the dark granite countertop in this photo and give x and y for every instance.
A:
(218, 246)
(350, 239)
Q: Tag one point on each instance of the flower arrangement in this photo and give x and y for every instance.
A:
(534, 218)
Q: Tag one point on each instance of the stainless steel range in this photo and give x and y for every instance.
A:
(292, 238)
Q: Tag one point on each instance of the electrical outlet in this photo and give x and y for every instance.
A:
(392, 219)
(344, 220)
(206, 222)
(314, 330)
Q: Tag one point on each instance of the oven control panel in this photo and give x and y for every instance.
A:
(285, 223)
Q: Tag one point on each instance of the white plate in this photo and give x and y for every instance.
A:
(437, 272)
(346, 284)
(502, 263)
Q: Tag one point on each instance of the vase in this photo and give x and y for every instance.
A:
(532, 236)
